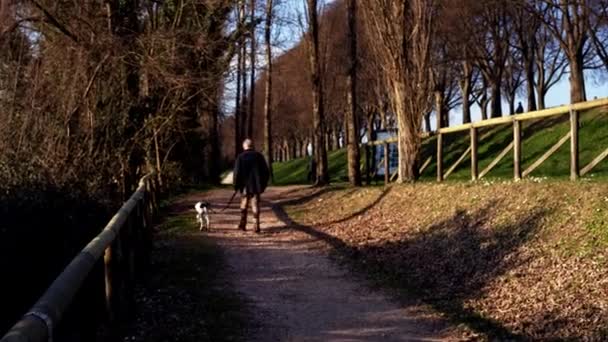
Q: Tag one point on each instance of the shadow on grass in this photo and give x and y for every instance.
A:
(363, 210)
(314, 194)
(445, 266)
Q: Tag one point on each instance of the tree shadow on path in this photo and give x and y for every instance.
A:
(447, 265)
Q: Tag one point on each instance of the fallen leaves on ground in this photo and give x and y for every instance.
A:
(521, 260)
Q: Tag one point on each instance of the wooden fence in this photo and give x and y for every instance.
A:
(516, 145)
(124, 243)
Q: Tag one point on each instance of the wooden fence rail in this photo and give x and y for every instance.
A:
(516, 145)
(124, 243)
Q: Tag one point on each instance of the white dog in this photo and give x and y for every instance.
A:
(202, 215)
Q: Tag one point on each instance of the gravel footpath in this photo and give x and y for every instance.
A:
(298, 293)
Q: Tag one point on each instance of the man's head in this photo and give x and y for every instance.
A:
(247, 144)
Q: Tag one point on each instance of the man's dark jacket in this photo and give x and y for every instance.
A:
(251, 172)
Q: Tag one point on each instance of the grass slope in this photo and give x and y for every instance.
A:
(538, 137)
(504, 260)
(295, 171)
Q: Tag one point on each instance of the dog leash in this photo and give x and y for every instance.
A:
(229, 202)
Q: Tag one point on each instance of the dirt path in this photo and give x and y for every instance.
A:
(298, 293)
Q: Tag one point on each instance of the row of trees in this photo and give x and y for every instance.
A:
(103, 90)
(83, 83)
(395, 64)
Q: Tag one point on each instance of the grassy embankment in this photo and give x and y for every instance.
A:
(538, 137)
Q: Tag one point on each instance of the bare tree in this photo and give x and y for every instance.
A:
(482, 98)
(244, 115)
(354, 173)
(493, 33)
(513, 79)
(598, 29)
(568, 21)
(238, 97)
(252, 61)
(551, 64)
(317, 94)
(403, 35)
(525, 27)
(268, 92)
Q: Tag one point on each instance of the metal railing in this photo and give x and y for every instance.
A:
(516, 145)
(124, 243)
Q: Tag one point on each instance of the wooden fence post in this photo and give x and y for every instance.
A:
(439, 157)
(517, 150)
(474, 162)
(574, 156)
(387, 172)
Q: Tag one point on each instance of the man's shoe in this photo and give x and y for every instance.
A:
(242, 228)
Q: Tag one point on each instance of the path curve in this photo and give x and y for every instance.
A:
(298, 293)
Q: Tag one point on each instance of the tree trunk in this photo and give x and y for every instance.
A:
(337, 136)
(540, 85)
(465, 89)
(124, 24)
(208, 117)
(216, 153)
(237, 105)
(317, 96)
(409, 140)
(354, 156)
(529, 66)
(511, 100)
(252, 59)
(237, 109)
(345, 129)
(245, 95)
(466, 108)
(484, 108)
(496, 100)
(577, 78)
(293, 148)
(298, 148)
(439, 115)
(268, 95)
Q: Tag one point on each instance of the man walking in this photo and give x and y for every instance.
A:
(250, 179)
